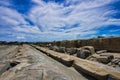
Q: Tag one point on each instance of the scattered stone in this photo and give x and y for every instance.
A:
(115, 61)
(110, 57)
(119, 64)
(90, 48)
(61, 49)
(71, 51)
(50, 47)
(103, 59)
(83, 53)
(101, 51)
(55, 48)
(60, 78)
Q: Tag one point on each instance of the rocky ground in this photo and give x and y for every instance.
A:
(88, 52)
(26, 63)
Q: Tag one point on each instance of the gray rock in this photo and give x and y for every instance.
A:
(115, 61)
(103, 59)
(83, 53)
(90, 48)
(119, 63)
(101, 51)
(71, 51)
(60, 78)
(61, 49)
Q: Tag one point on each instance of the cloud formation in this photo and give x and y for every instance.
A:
(49, 20)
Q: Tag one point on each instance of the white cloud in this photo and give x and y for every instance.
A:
(115, 30)
(27, 29)
(5, 3)
(88, 14)
(10, 17)
(53, 21)
(16, 21)
(20, 37)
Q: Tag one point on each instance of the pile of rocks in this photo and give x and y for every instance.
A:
(116, 62)
(57, 49)
(85, 52)
(82, 52)
(71, 51)
(105, 57)
(88, 52)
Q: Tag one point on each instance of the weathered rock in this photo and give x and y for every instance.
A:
(71, 51)
(55, 48)
(119, 64)
(83, 53)
(115, 61)
(79, 52)
(50, 47)
(101, 51)
(99, 71)
(41, 68)
(61, 49)
(90, 48)
(110, 57)
(58, 49)
(103, 59)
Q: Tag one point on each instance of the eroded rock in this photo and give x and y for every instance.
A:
(82, 53)
(101, 51)
(71, 51)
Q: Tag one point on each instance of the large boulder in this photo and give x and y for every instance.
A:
(71, 51)
(54, 48)
(101, 51)
(61, 49)
(83, 53)
(50, 47)
(105, 58)
(115, 61)
(90, 48)
(57, 49)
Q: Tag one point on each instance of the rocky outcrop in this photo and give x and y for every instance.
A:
(82, 53)
(109, 44)
(71, 51)
(31, 64)
(98, 71)
(85, 52)
(90, 48)
(101, 51)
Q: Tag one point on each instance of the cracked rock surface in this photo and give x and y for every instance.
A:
(27, 63)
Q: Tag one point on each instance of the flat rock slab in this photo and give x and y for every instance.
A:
(35, 65)
(97, 70)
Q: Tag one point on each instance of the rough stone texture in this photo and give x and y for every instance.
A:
(34, 65)
(103, 58)
(83, 53)
(90, 48)
(101, 51)
(110, 44)
(61, 49)
(71, 51)
(99, 71)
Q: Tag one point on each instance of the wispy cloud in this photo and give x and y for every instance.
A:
(59, 20)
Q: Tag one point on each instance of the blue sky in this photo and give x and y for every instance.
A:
(52, 20)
